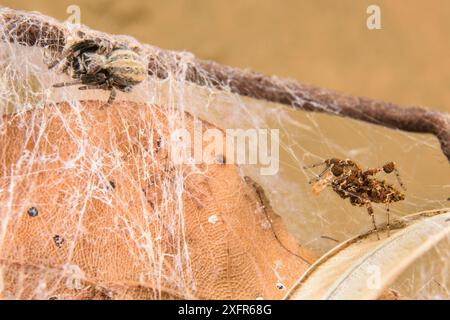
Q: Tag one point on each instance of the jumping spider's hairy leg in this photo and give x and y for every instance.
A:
(73, 51)
(67, 84)
(112, 95)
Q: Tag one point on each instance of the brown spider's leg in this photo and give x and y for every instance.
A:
(111, 98)
(66, 84)
(370, 211)
(388, 225)
(314, 165)
(319, 176)
(391, 167)
(400, 182)
(372, 171)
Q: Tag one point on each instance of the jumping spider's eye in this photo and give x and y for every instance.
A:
(337, 170)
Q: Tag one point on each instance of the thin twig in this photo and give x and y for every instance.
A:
(38, 30)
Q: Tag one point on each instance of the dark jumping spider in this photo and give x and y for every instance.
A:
(348, 180)
(94, 66)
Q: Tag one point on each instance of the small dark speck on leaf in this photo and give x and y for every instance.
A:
(280, 286)
(58, 240)
(112, 184)
(33, 212)
(158, 143)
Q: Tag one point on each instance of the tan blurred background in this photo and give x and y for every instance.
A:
(324, 42)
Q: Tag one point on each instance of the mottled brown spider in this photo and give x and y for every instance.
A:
(348, 180)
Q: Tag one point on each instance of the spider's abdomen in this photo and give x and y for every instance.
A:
(126, 67)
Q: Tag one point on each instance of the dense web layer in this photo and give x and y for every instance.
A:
(93, 187)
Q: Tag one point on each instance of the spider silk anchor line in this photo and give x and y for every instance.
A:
(237, 143)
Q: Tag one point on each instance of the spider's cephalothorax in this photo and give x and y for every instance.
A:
(348, 180)
(95, 66)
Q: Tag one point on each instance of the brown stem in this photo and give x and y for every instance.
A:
(38, 30)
